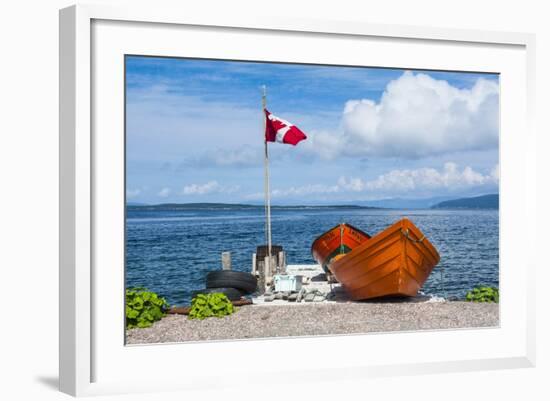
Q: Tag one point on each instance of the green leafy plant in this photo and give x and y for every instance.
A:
(143, 308)
(483, 294)
(210, 305)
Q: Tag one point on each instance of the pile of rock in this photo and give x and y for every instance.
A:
(304, 295)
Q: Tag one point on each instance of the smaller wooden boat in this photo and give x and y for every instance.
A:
(395, 262)
(339, 240)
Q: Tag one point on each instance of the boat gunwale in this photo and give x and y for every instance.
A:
(333, 228)
(419, 242)
(384, 234)
(375, 253)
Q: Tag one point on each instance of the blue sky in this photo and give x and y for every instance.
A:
(194, 132)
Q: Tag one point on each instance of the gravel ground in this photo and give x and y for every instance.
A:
(319, 319)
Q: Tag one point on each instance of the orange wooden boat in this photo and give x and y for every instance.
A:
(339, 240)
(395, 262)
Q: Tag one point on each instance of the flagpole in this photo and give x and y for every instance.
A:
(266, 179)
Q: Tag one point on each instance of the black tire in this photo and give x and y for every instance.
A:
(232, 294)
(245, 282)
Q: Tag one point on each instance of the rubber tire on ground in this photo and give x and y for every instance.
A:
(245, 282)
(232, 294)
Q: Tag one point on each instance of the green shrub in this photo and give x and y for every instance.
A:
(210, 305)
(143, 308)
(483, 294)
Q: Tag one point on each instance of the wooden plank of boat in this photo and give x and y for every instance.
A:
(338, 240)
(395, 262)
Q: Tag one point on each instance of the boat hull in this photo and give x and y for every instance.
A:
(395, 262)
(338, 240)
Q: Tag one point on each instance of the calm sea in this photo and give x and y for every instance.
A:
(170, 252)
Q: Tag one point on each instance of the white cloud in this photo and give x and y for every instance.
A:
(164, 192)
(422, 181)
(450, 178)
(326, 145)
(133, 193)
(209, 188)
(201, 189)
(312, 189)
(417, 116)
(304, 190)
(352, 184)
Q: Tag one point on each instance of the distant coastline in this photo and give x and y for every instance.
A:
(478, 202)
(237, 206)
(490, 201)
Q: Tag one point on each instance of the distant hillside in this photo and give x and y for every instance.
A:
(135, 204)
(235, 206)
(178, 206)
(406, 203)
(478, 202)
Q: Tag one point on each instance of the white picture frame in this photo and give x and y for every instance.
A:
(92, 360)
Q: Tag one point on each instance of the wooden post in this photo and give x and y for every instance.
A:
(267, 271)
(282, 262)
(226, 260)
(270, 266)
(261, 276)
(273, 265)
(254, 264)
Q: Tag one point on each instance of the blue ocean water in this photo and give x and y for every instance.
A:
(170, 252)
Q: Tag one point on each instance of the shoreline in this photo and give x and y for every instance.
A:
(254, 322)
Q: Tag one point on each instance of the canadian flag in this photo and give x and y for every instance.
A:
(279, 130)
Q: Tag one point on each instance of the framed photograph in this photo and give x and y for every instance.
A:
(256, 187)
